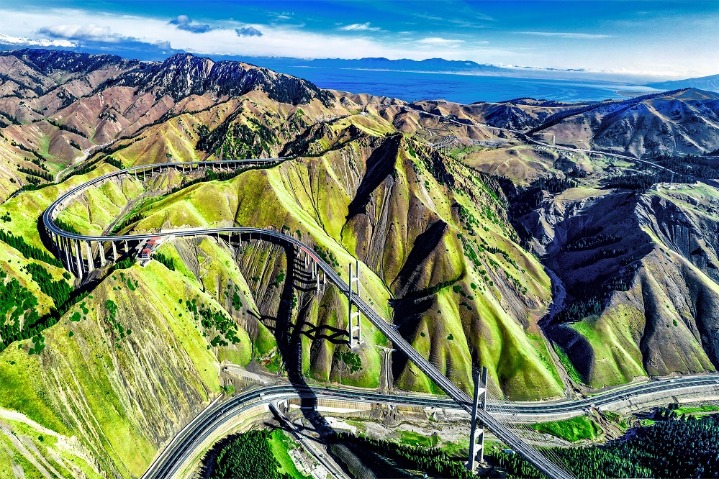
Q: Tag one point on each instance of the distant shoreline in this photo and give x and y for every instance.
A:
(458, 86)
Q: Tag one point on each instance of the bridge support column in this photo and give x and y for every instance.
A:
(90, 261)
(114, 251)
(102, 255)
(354, 316)
(65, 245)
(476, 438)
(316, 275)
(78, 258)
(127, 248)
(62, 252)
(386, 381)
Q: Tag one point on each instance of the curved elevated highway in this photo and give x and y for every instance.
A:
(69, 245)
(191, 438)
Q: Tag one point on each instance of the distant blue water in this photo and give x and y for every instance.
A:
(412, 86)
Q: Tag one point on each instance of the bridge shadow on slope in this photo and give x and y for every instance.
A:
(288, 336)
(323, 331)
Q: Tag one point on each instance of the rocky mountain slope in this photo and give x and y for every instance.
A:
(55, 107)
(710, 83)
(439, 255)
(684, 122)
(639, 272)
(629, 246)
(553, 268)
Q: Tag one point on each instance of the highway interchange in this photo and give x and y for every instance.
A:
(60, 237)
(459, 397)
(188, 442)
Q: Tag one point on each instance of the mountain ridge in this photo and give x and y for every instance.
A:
(710, 82)
(465, 232)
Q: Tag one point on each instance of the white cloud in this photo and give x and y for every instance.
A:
(248, 32)
(282, 16)
(91, 32)
(280, 39)
(469, 21)
(438, 41)
(183, 22)
(360, 27)
(569, 35)
(277, 40)
(31, 42)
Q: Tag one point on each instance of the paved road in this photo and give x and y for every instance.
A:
(217, 414)
(455, 393)
(634, 392)
(528, 139)
(459, 396)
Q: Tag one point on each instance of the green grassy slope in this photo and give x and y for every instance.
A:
(131, 362)
(122, 372)
(476, 255)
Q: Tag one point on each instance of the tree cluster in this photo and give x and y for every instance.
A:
(27, 250)
(675, 447)
(247, 455)
(391, 457)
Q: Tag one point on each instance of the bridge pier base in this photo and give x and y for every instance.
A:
(476, 437)
(114, 251)
(386, 379)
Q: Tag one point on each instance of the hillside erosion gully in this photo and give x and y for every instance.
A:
(69, 247)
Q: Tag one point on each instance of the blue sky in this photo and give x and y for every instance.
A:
(667, 39)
